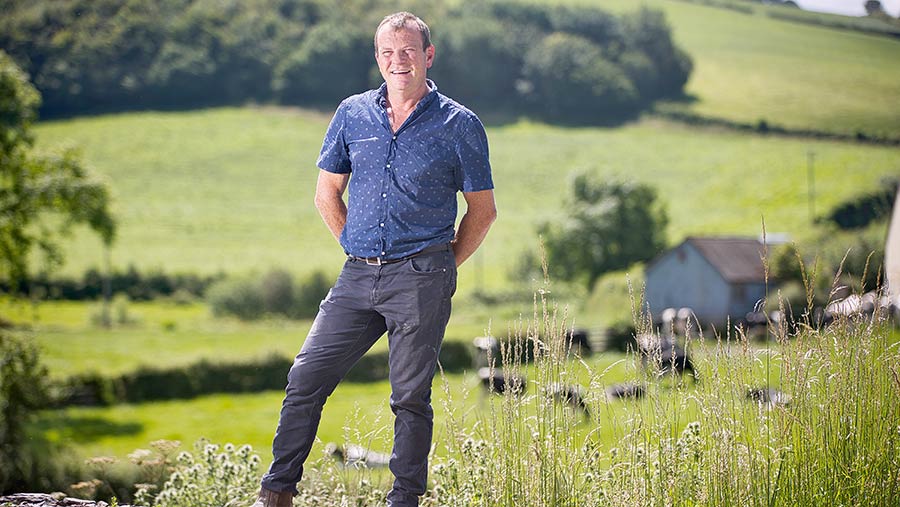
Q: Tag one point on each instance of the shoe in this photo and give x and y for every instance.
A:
(273, 498)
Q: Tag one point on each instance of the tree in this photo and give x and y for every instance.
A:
(609, 226)
(573, 81)
(874, 8)
(23, 390)
(41, 197)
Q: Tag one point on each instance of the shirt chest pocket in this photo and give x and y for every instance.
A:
(366, 150)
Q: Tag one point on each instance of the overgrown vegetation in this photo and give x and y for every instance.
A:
(825, 432)
(41, 196)
(564, 63)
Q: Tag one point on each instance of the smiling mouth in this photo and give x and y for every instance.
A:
(400, 71)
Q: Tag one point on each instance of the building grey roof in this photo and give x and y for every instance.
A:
(738, 260)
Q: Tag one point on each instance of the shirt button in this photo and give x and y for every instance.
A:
(383, 195)
(394, 138)
(389, 165)
(381, 225)
(382, 253)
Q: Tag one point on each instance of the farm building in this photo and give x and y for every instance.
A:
(717, 278)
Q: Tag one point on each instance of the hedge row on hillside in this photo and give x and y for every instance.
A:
(567, 63)
(207, 377)
(136, 285)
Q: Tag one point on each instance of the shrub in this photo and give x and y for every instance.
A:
(23, 390)
(274, 294)
(309, 294)
(647, 31)
(277, 292)
(479, 62)
(332, 63)
(571, 80)
(609, 226)
(864, 209)
(239, 297)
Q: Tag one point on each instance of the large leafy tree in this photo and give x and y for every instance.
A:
(608, 226)
(40, 196)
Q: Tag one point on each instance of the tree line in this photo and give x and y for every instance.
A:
(577, 64)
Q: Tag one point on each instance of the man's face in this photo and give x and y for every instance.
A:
(402, 60)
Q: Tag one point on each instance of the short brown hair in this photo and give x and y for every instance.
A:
(399, 20)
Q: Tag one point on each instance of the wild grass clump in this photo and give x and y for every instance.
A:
(811, 418)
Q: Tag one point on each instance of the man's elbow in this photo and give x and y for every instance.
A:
(324, 201)
(491, 215)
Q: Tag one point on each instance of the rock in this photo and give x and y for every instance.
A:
(45, 500)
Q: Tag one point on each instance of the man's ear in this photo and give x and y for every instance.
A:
(429, 56)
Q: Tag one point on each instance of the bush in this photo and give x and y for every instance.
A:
(571, 80)
(479, 62)
(274, 294)
(135, 285)
(207, 377)
(647, 31)
(239, 297)
(27, 461)
(308, 296)
(332, 63)
(608, 226)
(277, 292)
(23, 390)
(864, 209)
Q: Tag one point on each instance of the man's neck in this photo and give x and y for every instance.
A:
(406, 100)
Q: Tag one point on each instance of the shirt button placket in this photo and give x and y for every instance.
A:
(385, 185)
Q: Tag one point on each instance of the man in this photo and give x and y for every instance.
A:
(404, 151)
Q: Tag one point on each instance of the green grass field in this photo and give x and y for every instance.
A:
(230, 189)
(753, 67)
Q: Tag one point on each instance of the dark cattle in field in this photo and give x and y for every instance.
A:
(664, 356)
(579, 341)
(622, 391)
(487, 350)
(496, 381)
(768, 396)
(570, 395)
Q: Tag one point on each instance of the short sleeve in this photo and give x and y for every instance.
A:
(475, 165)
(335, 157)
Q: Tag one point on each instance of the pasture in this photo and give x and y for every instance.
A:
(230, 190)
(752, 67)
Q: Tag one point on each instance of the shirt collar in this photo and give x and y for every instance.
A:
(381, 96)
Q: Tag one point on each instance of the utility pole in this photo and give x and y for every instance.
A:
(811, 184)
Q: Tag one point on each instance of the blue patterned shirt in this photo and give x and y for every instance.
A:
(403, 185)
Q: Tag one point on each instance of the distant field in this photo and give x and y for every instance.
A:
(165, 335)
(231, 189)
(753, 67)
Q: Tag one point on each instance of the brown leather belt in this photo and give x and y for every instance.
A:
(378, 261)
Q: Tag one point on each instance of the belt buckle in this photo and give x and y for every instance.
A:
(377, 261)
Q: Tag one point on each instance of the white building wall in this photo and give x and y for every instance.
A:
(684, 278)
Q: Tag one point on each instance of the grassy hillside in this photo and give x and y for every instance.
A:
(231, 189)
(749, 67)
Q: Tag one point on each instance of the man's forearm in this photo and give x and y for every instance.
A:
(473, 228)
(334, 213)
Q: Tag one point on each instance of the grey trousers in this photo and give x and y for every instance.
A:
(411, 301)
